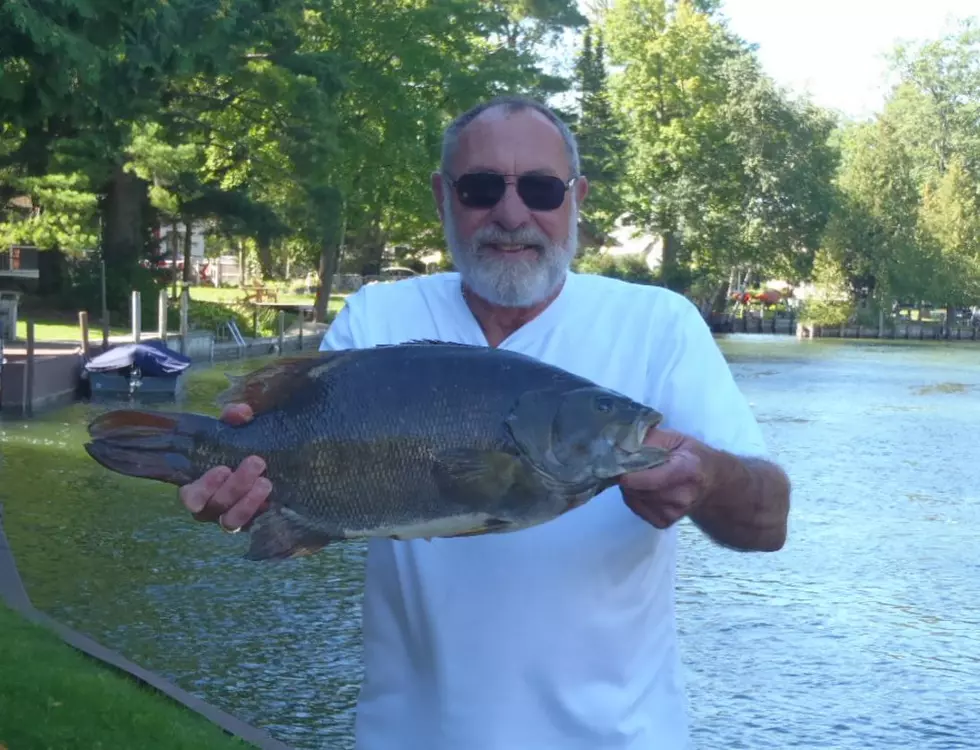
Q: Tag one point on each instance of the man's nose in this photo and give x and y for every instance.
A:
(510, 212)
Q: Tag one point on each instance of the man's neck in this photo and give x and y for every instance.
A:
(500, 322)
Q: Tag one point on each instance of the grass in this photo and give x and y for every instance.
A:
(60, 326)
(54, 697)
(48, 328)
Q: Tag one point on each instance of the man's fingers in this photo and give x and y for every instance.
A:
(236, 486)
(241, 513)
(653, 515)
(661, 511)
(195, 495)
(237, 414)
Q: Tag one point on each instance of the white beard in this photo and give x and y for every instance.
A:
(511, 282)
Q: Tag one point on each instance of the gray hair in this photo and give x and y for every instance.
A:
(450, 138)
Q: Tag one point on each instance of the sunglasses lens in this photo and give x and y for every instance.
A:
(541, 192)
(480, 190)
(484, 189)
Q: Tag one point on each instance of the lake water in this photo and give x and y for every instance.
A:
(863, 632)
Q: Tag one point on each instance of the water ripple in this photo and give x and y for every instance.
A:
(862, 633)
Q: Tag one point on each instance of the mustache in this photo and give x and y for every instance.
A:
(497, 236)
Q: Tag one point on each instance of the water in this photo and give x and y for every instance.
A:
(863, 632)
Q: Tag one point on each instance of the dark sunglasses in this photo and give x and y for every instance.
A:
(540, 192)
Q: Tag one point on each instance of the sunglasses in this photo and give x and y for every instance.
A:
(540, 192)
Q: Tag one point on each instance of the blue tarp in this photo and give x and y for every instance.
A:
(153, 359)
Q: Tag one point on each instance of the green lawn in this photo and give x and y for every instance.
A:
(230, 295)
(52, 330)
(54, 697)
(59, 326)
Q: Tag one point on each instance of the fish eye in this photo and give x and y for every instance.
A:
(604, 404)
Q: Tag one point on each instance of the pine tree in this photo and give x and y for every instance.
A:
(601, 144)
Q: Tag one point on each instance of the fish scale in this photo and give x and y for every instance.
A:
(423, 439)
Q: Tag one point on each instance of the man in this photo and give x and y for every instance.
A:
(561, 636)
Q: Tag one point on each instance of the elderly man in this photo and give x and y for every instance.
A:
(560, 636)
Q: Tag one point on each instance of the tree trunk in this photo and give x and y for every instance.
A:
(123, 218)
(174, 256)
(950, 317)
(188, 242)
(265, 257)
(721, 297)
(668, 262)
(124, 209)
(52, 278)
(329, 256)
(732, 282)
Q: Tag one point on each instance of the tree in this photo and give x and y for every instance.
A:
(733, 175)
(601, 143)
(950, 218)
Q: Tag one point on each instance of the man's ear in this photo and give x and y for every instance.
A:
(581, 189)
(438, 188)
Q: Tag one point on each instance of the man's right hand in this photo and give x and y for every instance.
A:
(230, 498)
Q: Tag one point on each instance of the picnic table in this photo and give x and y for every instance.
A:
(260, 293)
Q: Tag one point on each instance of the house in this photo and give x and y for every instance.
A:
(19, 262)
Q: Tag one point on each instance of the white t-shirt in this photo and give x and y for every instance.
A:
(559, 637)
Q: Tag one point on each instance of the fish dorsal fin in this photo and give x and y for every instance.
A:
(434, 342)
(277, 383)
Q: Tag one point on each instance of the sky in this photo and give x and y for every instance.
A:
(834, 49)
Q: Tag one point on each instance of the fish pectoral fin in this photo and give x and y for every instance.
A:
(477, 476)
(276, 384)
(275, 536)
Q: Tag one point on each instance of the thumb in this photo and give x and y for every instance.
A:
(237, 414)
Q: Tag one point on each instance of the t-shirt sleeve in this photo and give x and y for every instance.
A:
(699, 394)
(342, 332)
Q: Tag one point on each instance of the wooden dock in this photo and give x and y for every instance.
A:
(52, 377)
(789, 325)
(48, 378)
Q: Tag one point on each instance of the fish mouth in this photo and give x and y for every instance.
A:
(647, 421)
(631, 453)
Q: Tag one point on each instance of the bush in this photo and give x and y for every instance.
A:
(212, 316)
(84, 290)
(824, 312)
(631, 268)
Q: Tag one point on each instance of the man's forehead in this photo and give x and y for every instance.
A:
(503, 140)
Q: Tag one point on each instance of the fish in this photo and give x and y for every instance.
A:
(417, 440)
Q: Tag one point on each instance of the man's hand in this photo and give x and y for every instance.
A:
(230, 498)
(665, 494)
(741, 503)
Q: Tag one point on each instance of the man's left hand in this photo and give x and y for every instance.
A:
(665, 494)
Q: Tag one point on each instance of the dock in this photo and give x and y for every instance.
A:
(52, 376)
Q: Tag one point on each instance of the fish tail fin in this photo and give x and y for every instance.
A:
(148, 444)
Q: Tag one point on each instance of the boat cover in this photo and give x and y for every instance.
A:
(153, 359)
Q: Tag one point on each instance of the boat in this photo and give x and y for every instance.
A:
(128, 370)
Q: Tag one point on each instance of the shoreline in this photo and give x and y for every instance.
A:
(14, 595)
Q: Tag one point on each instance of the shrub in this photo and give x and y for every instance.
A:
(631, 268)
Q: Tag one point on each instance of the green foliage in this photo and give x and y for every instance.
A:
(631, 268)
(728, 170)
(600, 140)
(306, 130)
(905, 225)
(205, 315)
(950, 217)
(83, 290)
(833, 304)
